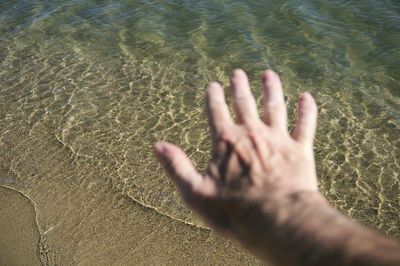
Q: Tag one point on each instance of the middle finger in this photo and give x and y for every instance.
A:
(243, 101)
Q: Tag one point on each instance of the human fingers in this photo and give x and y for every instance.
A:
(306, 119)
(274, 102)
(182, 171)
(218, 112)
(243, 101)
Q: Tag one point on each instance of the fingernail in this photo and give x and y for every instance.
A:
(213, 85)
(237, 73)
(159, 148)
(306, 95)
(267, 75)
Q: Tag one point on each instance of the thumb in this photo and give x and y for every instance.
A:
(178, 165)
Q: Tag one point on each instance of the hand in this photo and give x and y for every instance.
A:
(251, 160)
(260, 186)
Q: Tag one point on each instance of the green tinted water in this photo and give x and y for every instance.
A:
(86, 88)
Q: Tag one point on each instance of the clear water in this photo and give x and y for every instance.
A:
(86, 88)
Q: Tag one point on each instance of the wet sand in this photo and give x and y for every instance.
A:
(143, 237)
(19, 234)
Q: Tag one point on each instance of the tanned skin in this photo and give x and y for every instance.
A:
(260, 186)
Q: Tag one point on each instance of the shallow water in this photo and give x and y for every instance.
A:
(86, 88)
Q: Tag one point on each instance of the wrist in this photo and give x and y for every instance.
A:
(273, 211)
(270, 223)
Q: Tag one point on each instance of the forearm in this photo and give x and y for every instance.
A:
(304, 229)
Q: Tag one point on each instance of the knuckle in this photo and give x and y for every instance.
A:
(253, 129)
(274, 106)
(309, 107)
(227, 134)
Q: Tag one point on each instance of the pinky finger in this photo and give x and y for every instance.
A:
(306, 125)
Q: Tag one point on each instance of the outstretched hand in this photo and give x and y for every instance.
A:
(260, 186)
(252, 160)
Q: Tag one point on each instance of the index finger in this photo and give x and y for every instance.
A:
(218, 112)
